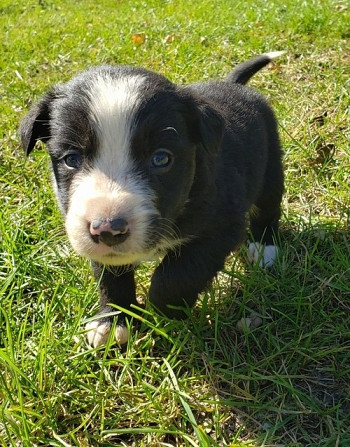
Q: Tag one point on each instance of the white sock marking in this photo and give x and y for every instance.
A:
(98, 333)
(263, 254)
(121, 335)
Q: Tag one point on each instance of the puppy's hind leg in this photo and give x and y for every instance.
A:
(264, 220)
(262, 249)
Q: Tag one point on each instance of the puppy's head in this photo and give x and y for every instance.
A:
(124, 145)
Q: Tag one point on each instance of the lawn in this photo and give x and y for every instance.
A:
(204, 381)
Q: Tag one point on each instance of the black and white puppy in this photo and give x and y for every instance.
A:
(145, 169)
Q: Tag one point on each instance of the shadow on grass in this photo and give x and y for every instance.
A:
(285, 381)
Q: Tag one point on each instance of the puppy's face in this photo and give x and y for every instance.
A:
(124, 149)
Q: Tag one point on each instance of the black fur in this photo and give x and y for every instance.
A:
(227, 166)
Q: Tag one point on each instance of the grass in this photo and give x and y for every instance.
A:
(201, 382)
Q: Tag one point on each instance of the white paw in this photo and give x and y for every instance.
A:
(121, 334)
(98, 333)
(263, 254)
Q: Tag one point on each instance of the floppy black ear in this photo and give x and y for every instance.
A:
(211, 127)
(36, 124)
(206, 124)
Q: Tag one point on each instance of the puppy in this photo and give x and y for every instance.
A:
(145, 169)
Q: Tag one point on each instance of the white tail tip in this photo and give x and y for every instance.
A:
(274, 54)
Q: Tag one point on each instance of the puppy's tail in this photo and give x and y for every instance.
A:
(243, 72)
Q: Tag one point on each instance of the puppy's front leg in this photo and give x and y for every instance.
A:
(181, 276)
(116, 286)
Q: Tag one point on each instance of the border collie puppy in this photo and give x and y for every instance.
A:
(145, 169)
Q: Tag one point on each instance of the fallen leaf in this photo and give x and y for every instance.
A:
(319, 119)
(325, 152)
(243, 325)
(251, 322)
(138, 38)
(170, 38)
(341, 8)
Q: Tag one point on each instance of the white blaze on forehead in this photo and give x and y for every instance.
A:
(112, 187)
(114, 103)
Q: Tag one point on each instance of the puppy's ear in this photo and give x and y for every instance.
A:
(206, 123)
(36, 124)
(210, 126)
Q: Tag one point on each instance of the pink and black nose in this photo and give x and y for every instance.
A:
(109, 231)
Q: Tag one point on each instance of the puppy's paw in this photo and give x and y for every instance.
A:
(263, 254)
(98, 333)
(121, 335)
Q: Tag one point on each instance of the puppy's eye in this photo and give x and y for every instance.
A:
(162, 158)
(73, 161)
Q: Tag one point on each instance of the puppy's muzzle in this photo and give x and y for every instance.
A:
(110, 232)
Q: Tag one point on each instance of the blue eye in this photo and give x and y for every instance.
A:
(73, 161)
(161, 159)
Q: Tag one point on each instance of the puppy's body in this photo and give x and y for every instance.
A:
(146, 169)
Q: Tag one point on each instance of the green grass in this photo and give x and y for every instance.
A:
(200, 382)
